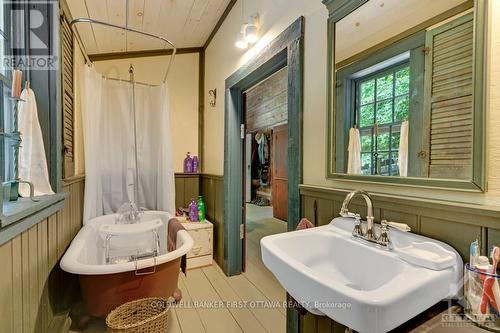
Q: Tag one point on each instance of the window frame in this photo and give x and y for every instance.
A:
(408, 50)
(17, 216)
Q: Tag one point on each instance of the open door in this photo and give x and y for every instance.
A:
(280, 172)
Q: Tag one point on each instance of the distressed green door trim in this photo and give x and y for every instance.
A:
(287, 49)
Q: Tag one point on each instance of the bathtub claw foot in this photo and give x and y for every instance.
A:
(83, 322)
(177, 295)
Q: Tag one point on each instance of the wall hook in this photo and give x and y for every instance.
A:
(213, 95)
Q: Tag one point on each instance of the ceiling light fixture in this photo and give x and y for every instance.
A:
(241, 42)
(251, 36)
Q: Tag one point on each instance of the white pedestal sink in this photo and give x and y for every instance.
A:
(360, 285)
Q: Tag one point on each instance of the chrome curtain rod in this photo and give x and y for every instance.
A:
(92, 21)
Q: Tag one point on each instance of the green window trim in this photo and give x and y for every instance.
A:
(17, 216)
(24, 213)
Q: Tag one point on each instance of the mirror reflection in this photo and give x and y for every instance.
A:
(404, 89)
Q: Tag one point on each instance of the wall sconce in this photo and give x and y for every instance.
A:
(251, 36)
(213, 97)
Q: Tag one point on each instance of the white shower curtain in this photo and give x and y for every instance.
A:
(109, 145)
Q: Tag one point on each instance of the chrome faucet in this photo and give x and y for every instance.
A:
(344, 212)
(368, 235)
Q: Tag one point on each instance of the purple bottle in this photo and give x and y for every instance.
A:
(188, 163)
(193, 211)
(196, 164)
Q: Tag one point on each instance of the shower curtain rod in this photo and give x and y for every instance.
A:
(126, 28)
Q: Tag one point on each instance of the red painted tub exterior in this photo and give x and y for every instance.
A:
(103, 293)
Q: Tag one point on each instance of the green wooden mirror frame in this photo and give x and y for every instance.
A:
(338, 9)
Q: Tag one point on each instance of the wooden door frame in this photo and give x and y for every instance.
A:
(287, 49)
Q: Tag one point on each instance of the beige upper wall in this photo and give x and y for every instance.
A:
(222, 59)
(183, 82)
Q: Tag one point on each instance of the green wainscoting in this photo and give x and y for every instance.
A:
(212, 190)
(211, 187)
(187, 187)
(457, 224)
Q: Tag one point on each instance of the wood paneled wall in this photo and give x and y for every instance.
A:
(32, 298)
(187, 187)
(212, 190)
(267, 102)
(452, 223)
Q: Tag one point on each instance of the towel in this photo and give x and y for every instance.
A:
(403, 150)
(174, 226)
(354, 149)
(304, 224)
(32, 159)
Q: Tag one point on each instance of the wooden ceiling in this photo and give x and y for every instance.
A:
(187, 23)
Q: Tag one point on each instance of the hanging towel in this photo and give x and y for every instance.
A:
(403, 150)
(32, 159)
(354, 148)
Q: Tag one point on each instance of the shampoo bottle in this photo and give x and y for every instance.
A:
(196, 164)
(193, 211)
(188, 163)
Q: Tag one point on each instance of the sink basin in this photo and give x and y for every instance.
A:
(357, 284)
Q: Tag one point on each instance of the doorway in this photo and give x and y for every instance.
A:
(265, 179)
(286, 50)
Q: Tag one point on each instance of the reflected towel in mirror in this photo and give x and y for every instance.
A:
(403, 150)
(354, 148)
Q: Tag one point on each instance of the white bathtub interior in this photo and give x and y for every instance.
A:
(87, 252)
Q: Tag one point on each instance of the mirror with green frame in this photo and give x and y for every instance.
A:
(407, 99)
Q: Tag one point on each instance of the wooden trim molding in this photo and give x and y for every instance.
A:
(223, 17)
(285, 50)
(142, 54)
(454, 223)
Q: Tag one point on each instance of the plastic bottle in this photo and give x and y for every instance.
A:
(196, 164)
(188, 163)
(193, 211)
(201, 209)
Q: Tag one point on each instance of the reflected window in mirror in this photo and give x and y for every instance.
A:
(382, 104)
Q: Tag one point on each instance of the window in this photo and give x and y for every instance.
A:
(41, 68)
(381, 105)
(6, 103)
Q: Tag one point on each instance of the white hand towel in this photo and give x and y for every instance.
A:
(32, 159)
(403, 150)
(354, 148)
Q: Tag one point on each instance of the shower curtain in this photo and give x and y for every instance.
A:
(108, 128)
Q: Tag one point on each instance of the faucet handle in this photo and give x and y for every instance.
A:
(384, 225)
(384, 233)
(357, 226)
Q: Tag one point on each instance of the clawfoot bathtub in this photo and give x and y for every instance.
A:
(105, 285)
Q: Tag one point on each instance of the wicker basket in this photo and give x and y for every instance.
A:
(147, 315)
